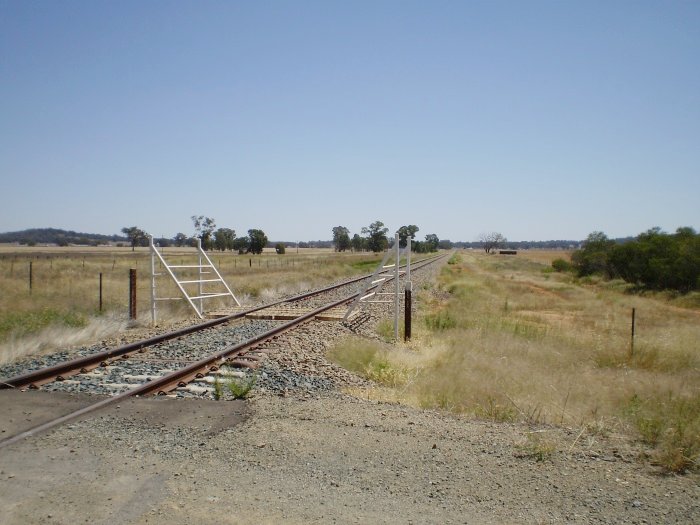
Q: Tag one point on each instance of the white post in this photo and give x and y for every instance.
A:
(408, 259)
(396, 287)
(199, 252)
(153, 282)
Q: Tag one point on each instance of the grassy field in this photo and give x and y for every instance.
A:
(62, 306)
(507, 339)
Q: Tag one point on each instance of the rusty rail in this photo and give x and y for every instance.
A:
(180, 377)
(87, 363)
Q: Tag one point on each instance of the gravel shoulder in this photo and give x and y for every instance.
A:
(329, 458)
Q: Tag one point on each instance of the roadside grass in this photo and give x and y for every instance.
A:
(371, 359)
(499, 340)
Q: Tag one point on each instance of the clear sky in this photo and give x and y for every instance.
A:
(539, 120)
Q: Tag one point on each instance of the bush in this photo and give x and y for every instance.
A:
(561, 265)
(654, 260)
(280, 248)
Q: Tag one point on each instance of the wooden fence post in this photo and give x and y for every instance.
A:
(132, 293)
(407, 315)
(632, 335)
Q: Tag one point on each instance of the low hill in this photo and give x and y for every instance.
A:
(57, 236)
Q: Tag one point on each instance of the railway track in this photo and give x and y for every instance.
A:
(169, 362)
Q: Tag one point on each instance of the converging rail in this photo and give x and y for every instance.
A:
(177, 378)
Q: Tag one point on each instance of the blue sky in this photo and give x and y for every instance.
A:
(539, 120)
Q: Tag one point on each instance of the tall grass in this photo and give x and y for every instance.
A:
(65, 286)
(504, 341)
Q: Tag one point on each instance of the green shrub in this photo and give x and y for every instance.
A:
(561, 265)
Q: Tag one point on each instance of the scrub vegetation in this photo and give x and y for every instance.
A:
(506, 339)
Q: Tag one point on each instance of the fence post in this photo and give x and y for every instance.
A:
(632, 335)
(132, 293)
(407, 313)
(100, 291)
(31, 277)
(396, 291)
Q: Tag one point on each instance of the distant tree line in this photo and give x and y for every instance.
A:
(654, 259)
(559, 244)
(211, 238)
(374, 238)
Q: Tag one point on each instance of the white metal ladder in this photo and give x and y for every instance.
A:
(203, 268)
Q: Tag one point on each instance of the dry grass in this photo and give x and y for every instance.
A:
(506, 341)
(64, 299)
(543, 256)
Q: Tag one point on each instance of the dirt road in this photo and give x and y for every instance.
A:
(317, 459)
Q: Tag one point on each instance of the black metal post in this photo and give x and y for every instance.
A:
(407, 315)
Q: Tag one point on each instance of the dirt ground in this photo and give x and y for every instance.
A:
(327, 459)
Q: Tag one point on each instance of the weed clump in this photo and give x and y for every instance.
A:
(535, 447)
(440, 321)
(370, 360)
(240, 388)
(670, 424)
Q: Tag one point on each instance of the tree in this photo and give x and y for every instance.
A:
(405, 232)
(377, 240)
(137, 237)
(431, 242)
(240, 244)
(655, 260)
(445, 244)
(204, 228)
(162, 242)
(593, 255)
(358, 243)
(280, 248)
(491, 241)
(180, 239)
(223, 239)
(257, 241)
(341, 238)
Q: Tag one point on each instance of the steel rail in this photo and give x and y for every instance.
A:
(180, 377)
(90, 362)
